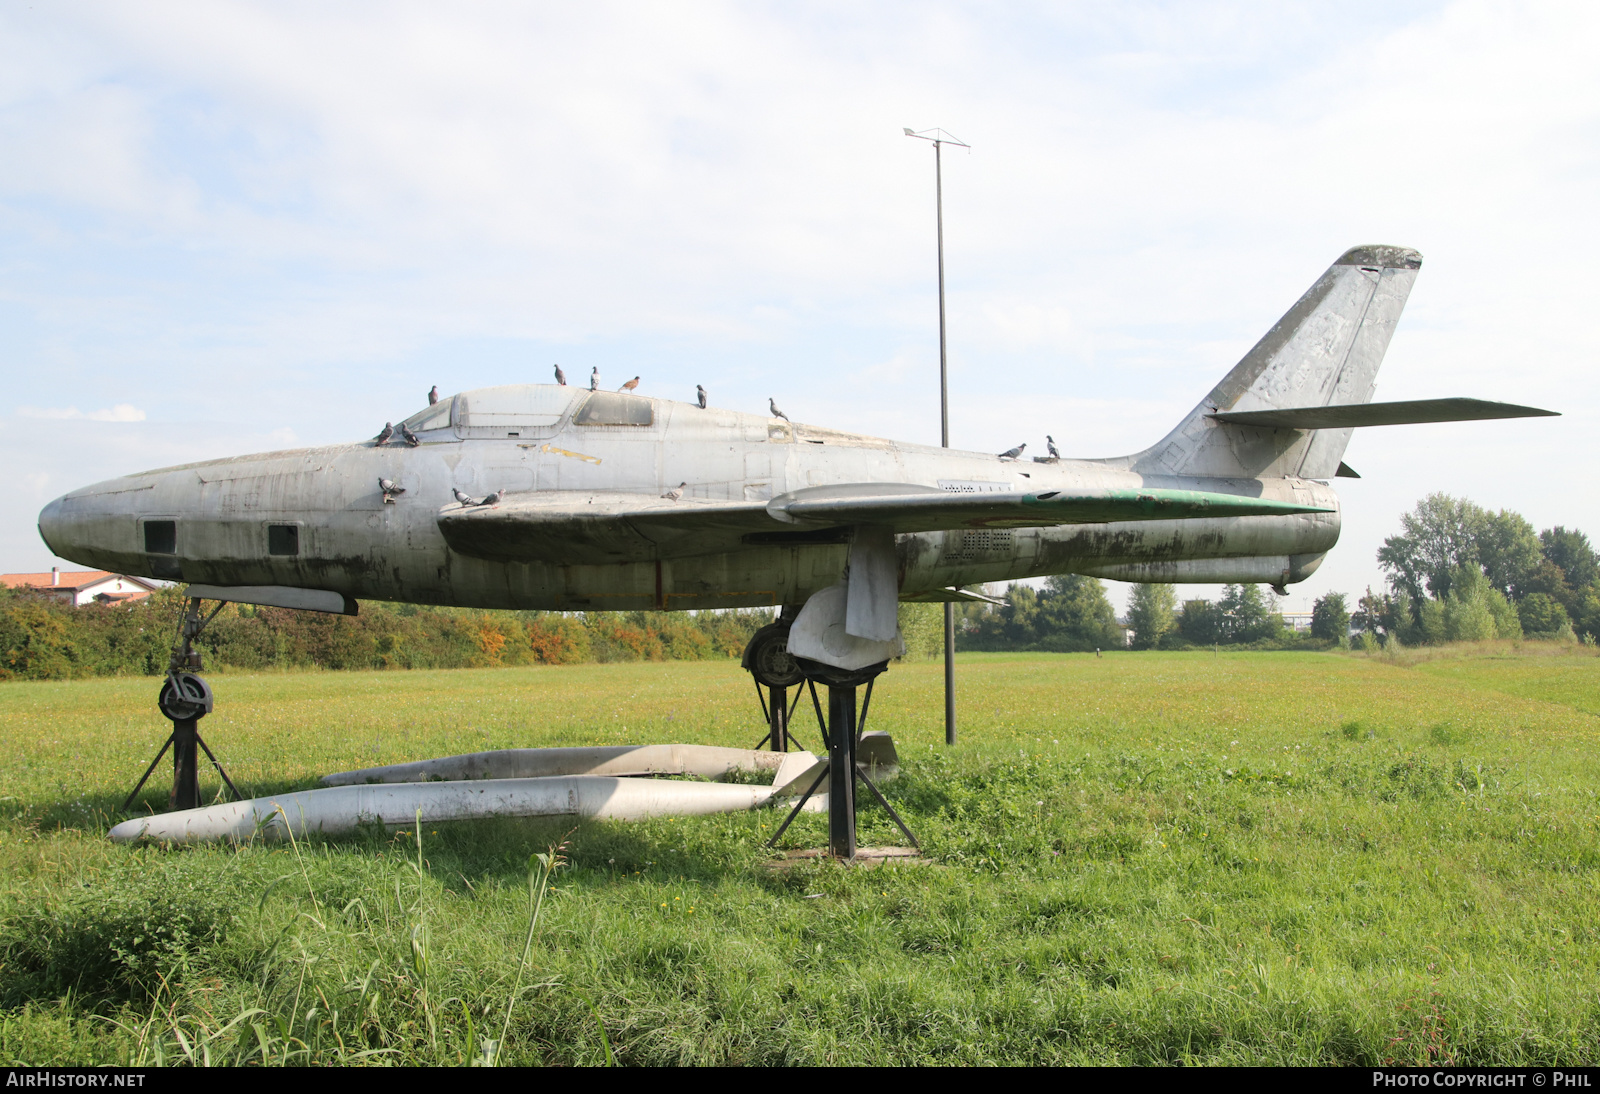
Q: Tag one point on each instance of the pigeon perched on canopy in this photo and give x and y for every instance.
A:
(1013, 453)
(464, 499)
(409, 437)
(594, 379)
(630, 385)
(676, 492)
(772, 404)
(1051, 442)
(702, 393)
(433, 394)
(390, 488)
(494, 498)
(561, 377)
(383, 437)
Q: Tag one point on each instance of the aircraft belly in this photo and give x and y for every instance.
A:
(1065, 549)
(753, 577)
(967, 558)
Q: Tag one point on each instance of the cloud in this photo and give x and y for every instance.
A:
(296, 214)
(122, 412)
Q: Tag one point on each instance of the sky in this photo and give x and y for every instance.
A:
(233, 227)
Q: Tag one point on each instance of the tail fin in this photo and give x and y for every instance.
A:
(1324, 352)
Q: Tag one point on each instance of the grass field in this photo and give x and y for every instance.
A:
(1140, 858)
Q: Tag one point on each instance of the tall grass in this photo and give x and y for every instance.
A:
(1158, 858)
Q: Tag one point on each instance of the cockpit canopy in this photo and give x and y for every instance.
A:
(527, 410)
(436, 416)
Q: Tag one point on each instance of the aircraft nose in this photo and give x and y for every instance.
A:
(87, 527)
(53, 527)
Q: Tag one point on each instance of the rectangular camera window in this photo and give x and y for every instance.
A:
(161, 537)
(283, 539)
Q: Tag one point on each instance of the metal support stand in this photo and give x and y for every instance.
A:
(841, 771)
(185, 765)
(949, 672)
(842, 730)
(185, 698)
(778, 719)
(778, 714)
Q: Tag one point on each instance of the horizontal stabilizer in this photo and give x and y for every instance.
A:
(1412, 412)
(951, 596)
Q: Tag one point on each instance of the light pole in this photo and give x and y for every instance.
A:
(938, 137)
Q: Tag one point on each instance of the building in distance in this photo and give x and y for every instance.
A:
(82, 587)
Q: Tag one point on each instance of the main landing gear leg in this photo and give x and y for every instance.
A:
(767, 659)
(185, 699)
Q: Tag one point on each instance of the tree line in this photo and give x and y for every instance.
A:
(45, 639)
(1456, 572)
(1072, 613)
(1459, 572)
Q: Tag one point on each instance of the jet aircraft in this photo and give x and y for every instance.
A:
(832, 527)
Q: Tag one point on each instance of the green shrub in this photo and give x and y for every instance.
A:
(122, 935)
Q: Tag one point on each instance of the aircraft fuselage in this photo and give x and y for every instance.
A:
(316, 518)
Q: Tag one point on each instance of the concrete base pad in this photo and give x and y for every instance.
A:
(867, 857)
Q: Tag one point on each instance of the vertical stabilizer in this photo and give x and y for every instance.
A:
(1324, 352)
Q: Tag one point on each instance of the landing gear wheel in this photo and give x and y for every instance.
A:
(192, 699)
(767, 657)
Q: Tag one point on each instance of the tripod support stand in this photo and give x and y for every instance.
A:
(185, 698)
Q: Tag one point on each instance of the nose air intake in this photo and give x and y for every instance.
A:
(50, 528)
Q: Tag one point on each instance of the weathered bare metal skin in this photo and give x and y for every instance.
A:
(582, 523)
(351, 542)
(707, 761)
(338, 810)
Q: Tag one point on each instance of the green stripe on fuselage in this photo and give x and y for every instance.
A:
(1157, 504)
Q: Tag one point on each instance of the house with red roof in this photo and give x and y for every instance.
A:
(80, 587)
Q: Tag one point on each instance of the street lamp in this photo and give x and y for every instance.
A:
(939, 138)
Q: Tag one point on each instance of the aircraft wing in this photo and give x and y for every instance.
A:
(575, 527)
(572, 527)
(928, 509)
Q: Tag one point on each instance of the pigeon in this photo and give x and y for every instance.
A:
(676, 492)
(702, 393)
(433, 394)
(772, 404)
(390, 489)
(388, 431)
(630, 385)
(409, 437)
(464, 499)
(561, 377)
(494, 498)
(1013, 453)
(1051, 441)
(594, 379)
